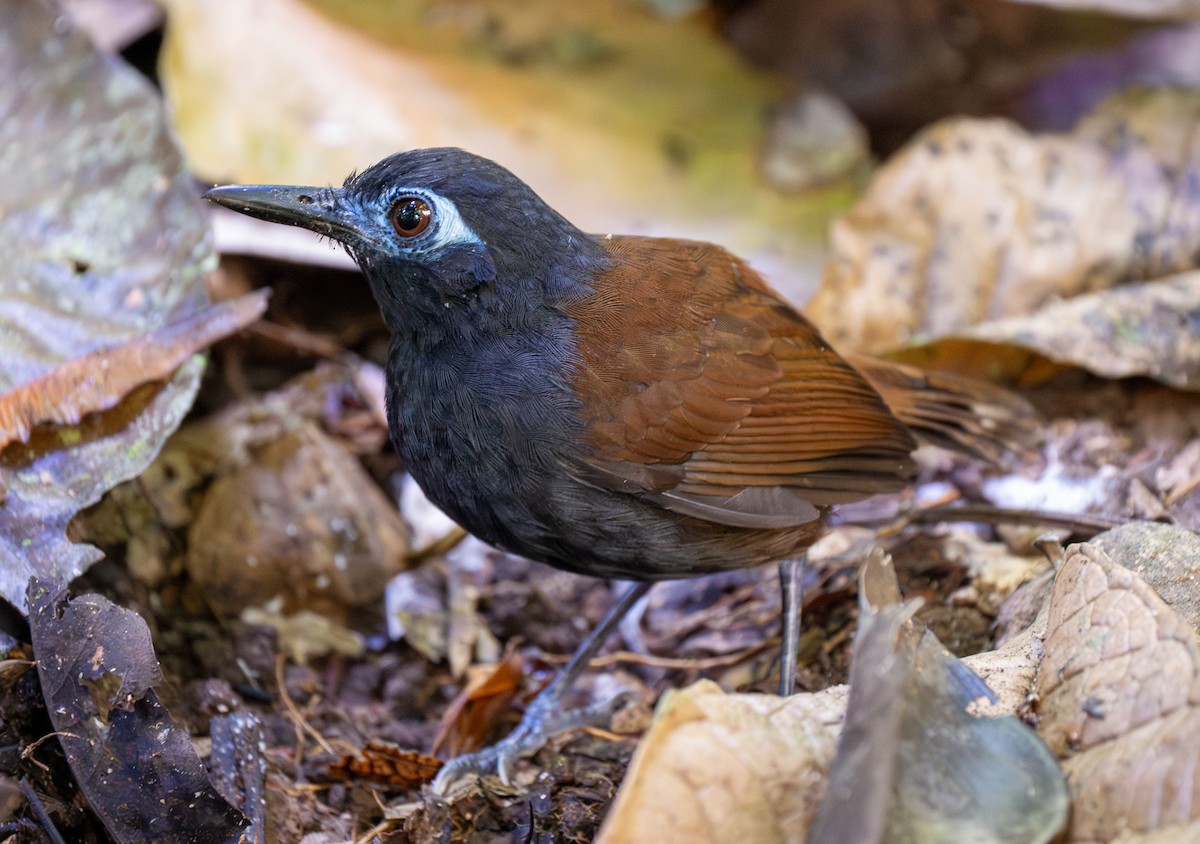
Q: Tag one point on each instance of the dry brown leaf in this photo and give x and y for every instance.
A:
(1135, 329)
(1119, 690)
(1181, 476)
(476, 710)
(978, 220)
(386, 763)
(146, 517)
(101, 379)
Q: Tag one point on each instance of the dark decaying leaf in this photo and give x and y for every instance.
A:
(914, 762)
(133, 762)
(102, 239)
(239, 769)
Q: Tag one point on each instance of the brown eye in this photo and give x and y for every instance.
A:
(410, 216)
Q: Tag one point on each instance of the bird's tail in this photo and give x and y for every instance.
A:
(953, 411)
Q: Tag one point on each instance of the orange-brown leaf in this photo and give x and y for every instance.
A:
(388, 764)
(101, 379)
(476, 711)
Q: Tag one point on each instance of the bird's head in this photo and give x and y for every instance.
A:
(433, 229)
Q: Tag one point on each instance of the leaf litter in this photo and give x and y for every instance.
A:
(901, 757)
(132, 760)
(1128, 456)
(1008, 247)
(98, 252)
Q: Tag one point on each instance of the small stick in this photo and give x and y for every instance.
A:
(1084, 524)
(35, 804)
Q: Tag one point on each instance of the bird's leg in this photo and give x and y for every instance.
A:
(545, 717)
(791, 587)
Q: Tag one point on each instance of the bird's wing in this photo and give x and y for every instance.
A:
(702, 389)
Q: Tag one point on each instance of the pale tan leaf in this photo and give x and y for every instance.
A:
(305, 635)
(581, 100)
(720, 768)
(1119, 692)
(979, 220)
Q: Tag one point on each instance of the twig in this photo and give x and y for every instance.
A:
(378, 829)
(35, 804)
(1084, 524)
(655, 661)
(28, 751)
(294, 711)
(438, 547)
(299, 339)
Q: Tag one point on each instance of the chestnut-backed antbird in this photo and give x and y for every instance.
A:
(618, 406)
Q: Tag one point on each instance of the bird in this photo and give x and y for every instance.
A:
(619, 406)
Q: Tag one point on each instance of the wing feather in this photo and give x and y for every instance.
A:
(706, 392)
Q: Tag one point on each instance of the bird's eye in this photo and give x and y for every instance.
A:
(411, 216)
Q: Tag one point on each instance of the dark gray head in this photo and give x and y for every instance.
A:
(436, 229)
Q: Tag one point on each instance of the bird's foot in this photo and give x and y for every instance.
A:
(543, 719)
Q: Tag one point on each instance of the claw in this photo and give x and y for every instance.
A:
(542, 721)
(545, 716)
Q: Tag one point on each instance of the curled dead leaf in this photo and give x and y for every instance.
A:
(99, 380)
(475, 711)
(1135, 329)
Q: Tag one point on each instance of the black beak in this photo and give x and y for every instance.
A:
(316, 209)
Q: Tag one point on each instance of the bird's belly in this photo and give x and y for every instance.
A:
(584, 529)
(498, 465)
(613, 534)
